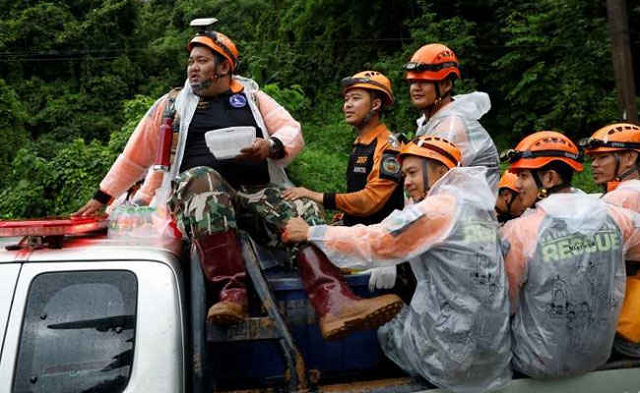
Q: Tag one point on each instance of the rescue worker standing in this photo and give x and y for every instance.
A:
(211, 199)
(373, 172)
(565, 263)
(508, 205)
(431, 74)
(614, 151)
(455, 332)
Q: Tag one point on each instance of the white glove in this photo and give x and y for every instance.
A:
(382, 278)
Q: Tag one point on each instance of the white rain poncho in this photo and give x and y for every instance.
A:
(565, 261)
(627, 195)
(455, 333)
(458, 122)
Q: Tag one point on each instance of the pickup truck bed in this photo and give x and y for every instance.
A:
(104, 315)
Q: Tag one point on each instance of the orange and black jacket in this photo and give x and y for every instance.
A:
(374, 187)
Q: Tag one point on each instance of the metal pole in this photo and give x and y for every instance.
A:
(198, 308)
(622, 61)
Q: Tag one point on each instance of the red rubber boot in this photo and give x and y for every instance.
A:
(338, 310)
(223, 266)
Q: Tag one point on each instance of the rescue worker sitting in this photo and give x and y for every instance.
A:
(431, 74)
(614, 151)
(373, 172)
(508, 205)
(455, 332)
(565, 262)
(212, 198)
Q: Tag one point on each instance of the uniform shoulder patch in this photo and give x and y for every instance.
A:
(390, 167)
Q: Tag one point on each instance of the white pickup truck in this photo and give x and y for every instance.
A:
(86, 313)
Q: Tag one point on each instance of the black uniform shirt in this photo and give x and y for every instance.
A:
(226, 110)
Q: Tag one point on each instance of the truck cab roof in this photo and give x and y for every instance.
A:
(92, 247)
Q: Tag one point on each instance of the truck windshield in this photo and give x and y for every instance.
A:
(78, 333)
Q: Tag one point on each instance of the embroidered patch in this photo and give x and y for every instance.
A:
(391, 165)
(238, 101)
(362, 160)
(360, 169)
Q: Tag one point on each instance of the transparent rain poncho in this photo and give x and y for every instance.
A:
(565, 261)
(627, 195)
(455, 332)
(458, 122)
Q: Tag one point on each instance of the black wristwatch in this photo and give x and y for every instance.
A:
(276, 148)
(102, 197)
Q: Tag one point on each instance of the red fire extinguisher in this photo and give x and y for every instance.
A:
(163, 153)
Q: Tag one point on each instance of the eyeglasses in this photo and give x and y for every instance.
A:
(513, 155)
(592, 143)
(420, 67)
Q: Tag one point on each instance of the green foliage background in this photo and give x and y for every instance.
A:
(75, 76)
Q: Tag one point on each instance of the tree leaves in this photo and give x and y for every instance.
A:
(71, 72)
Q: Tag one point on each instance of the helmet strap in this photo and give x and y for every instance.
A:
(504, 216)
(625, 174)
(513, 197)
(366, 119)
(425, 179)
(613, 184)
(437, 87)
(217, 76)
(615, 171)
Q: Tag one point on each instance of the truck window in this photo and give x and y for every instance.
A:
(78, 333)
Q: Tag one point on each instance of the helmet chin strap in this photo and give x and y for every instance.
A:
(367, 117)
(425, 179)
(611, 185)
(504, 216)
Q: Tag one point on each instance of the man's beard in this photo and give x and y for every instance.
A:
(199, 87)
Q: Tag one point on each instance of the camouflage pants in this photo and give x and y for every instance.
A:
(204, 203)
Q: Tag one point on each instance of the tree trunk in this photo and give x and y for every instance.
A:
(622, 62)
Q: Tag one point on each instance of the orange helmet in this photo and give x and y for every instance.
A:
(218, 43)
(541, 148)
(508, 180)
(370, 80)
(614, 137)
(434, 148)
(433, 62)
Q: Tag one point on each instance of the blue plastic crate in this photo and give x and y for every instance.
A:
(262, 359)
